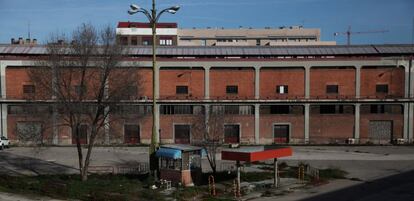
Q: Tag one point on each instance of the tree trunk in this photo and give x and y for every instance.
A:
(88, 153)
(79, 148)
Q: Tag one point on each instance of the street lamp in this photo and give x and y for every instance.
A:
(153, 17)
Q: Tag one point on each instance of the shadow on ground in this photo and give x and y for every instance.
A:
(15, 165)
(396, 187)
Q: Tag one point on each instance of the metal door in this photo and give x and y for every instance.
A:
(281, 134)
(380, 131)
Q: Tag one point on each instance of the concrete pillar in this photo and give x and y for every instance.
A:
(410, 122)
(411, 78)
(307, 81)
(257, 82)
(207, 82)
(3, 107)
(257, 123)
(207, 117)
(306, 127)
(357, 122)
(358, 81)
(407, 78)
(406, 123)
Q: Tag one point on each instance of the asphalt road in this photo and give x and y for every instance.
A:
(377, 172)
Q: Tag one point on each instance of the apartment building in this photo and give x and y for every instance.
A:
(266, 94)
(135, 33)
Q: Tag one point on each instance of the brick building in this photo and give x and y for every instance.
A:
(302, 94)
(168, 34)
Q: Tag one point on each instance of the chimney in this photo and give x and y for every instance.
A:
(34, 42)
(20, 40)
(27, 41)
(12, 41)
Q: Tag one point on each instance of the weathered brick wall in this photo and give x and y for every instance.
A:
(272, 77)
(392, 76)
(170, 78)
(241, 77)
(344, 78)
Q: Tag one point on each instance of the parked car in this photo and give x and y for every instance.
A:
(4, 142)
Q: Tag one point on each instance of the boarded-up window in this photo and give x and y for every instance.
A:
(131, 134)
(231, 134)
(382, 88)
(182, 134)
(181, 89)
(29, 131)
(232, 89)
(332, 89)
(28, 89)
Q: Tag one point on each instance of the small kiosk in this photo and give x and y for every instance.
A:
(180, 163)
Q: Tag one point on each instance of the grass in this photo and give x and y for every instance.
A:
(98, 187)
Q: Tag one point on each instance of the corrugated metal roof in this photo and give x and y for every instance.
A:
(238, 50)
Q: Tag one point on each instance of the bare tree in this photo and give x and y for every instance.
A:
(84, 82)
(208, 129)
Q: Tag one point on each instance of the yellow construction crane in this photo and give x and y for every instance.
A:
(348, 33)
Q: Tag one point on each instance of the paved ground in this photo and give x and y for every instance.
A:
(383, 171)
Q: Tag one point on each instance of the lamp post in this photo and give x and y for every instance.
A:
(153, 18)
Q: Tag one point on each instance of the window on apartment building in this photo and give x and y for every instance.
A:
(382, 88)
(332, 89)
(146, 40)
(257, 42)
(232, 89)
(232, 134)
(282, 89)
(181, 89)
(28, 89)
(166, 41)
(134, 41)
(204, 42)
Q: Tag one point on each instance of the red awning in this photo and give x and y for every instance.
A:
(252, 154)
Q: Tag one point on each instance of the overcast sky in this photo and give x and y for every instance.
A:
(62, 16)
